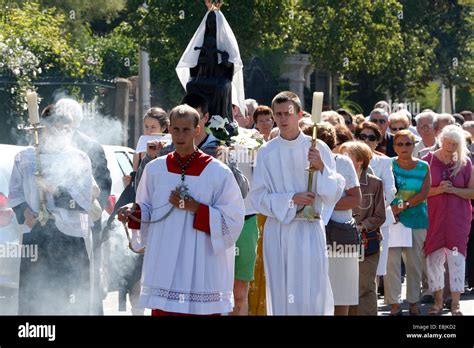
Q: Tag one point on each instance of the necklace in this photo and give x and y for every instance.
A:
(183, 188)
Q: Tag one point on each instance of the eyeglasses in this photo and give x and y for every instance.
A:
(378, 120)
(407, 144)
(370, 137)
(397, 129)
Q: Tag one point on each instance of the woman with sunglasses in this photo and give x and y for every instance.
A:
(381, 166)
(397, 122)
(413, 180)
(449, 216)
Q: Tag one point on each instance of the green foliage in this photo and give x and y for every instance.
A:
(438, 45)
(34, 42)
(430, 97)
(394, 47)
(345, 92)
(465, 98)
(85, 10)
(119, 52)
(452, 25)
(352, 35)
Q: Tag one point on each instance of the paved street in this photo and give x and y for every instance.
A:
(467, 306)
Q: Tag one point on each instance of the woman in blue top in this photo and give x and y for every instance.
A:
(413, 181)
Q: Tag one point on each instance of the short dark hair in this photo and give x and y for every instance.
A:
(459, 119)
(185, 111)
(160, 115)
(262, 110)
(196, 101)
(286, 96)
(343, 112)
(368, 125)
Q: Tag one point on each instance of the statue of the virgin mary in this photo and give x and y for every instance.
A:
(211, 65)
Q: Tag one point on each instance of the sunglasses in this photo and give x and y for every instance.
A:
(397, 129)
(370, 137)
(348, 122)
(378, 120)
(407, 144)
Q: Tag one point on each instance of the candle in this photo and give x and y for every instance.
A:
(317, 106)
(32, 100)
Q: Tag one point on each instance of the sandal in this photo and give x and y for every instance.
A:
(434, 310)
(397, 313)
(415, 313)
(455, 311)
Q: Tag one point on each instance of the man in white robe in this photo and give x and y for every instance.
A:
(58, 282)
(295, 259)
(189, 242)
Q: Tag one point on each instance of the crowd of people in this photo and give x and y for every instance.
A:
(420, 167)
(390, 200)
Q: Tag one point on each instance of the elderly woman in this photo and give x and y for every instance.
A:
(343, 267)
(263, 119)
(381, 166)
(449, 215)
(369, 216)
(398, 121)
(410, 209)
(425, 122)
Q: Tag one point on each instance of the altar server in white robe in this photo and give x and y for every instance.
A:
(191, 212)
(295, 259)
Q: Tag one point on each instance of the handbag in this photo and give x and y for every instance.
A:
(342, 233)
(371, 242)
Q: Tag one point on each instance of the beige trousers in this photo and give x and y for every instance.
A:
(367, 287)
(413, 258)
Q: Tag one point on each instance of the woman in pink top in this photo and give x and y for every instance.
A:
(449, 215)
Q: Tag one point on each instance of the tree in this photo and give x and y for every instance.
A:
(391, 48)
(452, 25)
(119, 52)
(34, 42)
(438, 44)
(409, 70)
(351, 37)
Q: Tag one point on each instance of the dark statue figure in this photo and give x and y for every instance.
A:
(210, 79)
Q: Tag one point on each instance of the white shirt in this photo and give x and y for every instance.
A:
(382, 168)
